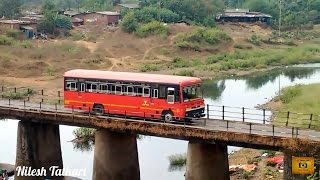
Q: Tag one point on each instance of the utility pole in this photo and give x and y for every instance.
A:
(280, 18)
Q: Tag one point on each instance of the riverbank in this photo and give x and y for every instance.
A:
(301, 100)
(238, 62)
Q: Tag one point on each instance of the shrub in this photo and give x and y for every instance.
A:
(202, 37)
(185, 73)
(149, 67)
(150, 13)
(129, 23)
(63, 22)
(152, 28)
(14, 33)
(85, 133)
(289, 93)
(6, 41)
(254, 39)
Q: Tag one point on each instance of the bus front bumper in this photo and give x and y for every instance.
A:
(195, 113)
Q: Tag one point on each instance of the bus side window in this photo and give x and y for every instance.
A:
(118, 89)
(94, 87)
(103, 88)
(146, 92)
(111, 89)
(91, 87)
(162, 92)
(139, 91)
(130, 91)
(71, 86)
(155, 93)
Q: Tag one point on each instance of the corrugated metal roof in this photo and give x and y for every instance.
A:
(26, 27)
(110, 13)
(130, 6)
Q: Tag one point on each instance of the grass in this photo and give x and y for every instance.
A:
(18, 94)
(300, 99)
(59, 50)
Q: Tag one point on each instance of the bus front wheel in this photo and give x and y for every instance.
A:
(98, 109)
(167, 116)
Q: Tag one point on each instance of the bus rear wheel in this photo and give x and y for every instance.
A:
(167, 116)
(98, 109)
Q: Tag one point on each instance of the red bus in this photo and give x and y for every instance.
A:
(164, 97)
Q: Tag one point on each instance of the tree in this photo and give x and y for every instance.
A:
(129, 23)
(10, 8)
(48, 6)
(52, 20)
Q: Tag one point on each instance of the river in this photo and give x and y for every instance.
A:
(247, 91)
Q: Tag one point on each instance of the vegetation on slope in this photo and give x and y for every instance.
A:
(300, 99)
(202, 39)
(244, 59)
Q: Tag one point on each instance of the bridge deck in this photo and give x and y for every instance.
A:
(231, 132)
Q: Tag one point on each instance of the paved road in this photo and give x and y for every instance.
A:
(212, 124)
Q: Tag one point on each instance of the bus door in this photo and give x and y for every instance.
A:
(81, 95)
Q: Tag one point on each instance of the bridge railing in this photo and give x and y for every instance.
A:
(201, 123)
(213, 112)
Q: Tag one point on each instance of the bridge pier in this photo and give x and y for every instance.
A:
(38, 145)
(207, 162)
(115, 156)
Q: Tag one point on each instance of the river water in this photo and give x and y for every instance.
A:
(153, 152)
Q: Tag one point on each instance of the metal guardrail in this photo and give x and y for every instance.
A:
(222, 118)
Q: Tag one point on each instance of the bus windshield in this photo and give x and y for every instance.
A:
(191, 92)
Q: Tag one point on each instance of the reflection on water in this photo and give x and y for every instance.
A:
(176, 168)
(83, 146)
(213, 89)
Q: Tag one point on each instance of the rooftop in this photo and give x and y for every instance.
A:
(131, 77)
(110, 13)
(10, 21)
(130, 6)
(237, 10)
(242, 13)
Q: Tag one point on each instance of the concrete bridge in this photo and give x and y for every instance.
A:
(116, 156)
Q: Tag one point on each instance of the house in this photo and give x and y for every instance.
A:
(109, 17)
(120, 7)
(9, 24)
(76, 21)
(94, 18)
(28, 27)
(243, 15)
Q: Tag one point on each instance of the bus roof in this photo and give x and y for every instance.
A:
(131, 77)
